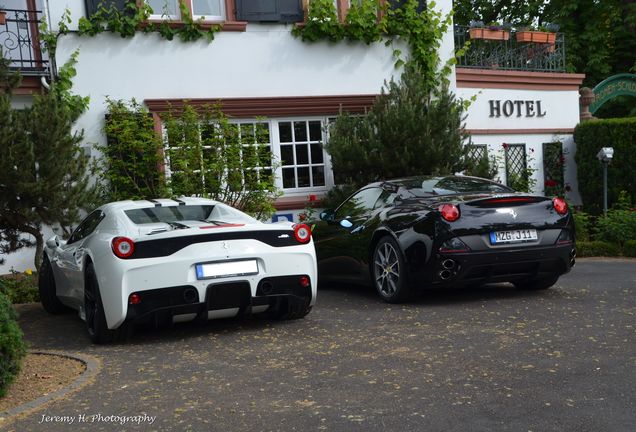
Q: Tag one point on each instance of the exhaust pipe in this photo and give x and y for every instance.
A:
(445, 274)
(448, 264)
(267, 287)
(190, 295)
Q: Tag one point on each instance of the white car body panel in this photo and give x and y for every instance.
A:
(118, 277)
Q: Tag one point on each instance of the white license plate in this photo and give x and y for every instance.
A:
(513, 236)
(226, 269)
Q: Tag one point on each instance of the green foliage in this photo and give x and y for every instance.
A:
(553, 161)
(44, 176)
(20, 287)
(322, 23)
(597, 248)
(629, 248)
(361, 22)
(590, 137)
(582, 225)
(211, 157)
(408, 131)
(135, 17)
(12, 348)
(485, 166)
(619, 225)
(132, 154)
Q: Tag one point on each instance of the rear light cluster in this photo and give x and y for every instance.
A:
(123, 247)
(449, 212)
(560, 205)
(565, 237)
(302, 232)
(453, 245)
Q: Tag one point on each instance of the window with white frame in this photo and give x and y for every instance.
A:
(208, 10)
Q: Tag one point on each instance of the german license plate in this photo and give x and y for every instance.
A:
(513, 236)
(226, 269)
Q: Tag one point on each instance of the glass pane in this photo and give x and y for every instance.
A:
(303, 177)
(163, 7)
(316, 154)
(262, 133)
(318, 173)
(302, 156)
(289, 180)
(287, 154)
(206, 7)
(315, 133)
(247, 133)
(284, 130)
(265, 155)
(300, 131)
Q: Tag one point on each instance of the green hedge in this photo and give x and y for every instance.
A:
(590, 136)
(629, 249)
(12, 348)
(20, 288)
(597, 248)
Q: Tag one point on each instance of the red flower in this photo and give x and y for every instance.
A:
(312, 198)
(505, 146)
(302, 216)
(550, 183)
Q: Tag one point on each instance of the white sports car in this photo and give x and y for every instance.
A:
(172, 260)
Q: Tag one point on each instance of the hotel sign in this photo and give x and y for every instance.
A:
(516, 108)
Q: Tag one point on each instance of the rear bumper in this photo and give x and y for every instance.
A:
(510, 265)
(221, 299)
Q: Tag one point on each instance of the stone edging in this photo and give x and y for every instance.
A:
(92, 368)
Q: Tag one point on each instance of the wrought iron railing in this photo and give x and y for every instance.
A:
(20, 41)
(510, 54)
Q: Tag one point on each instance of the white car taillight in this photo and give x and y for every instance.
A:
(123, 247)
(302, 232)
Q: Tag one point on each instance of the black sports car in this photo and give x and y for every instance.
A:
(411, 233)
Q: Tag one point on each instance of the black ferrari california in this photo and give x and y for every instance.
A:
(412, 233)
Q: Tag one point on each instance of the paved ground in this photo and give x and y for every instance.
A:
(495, 359)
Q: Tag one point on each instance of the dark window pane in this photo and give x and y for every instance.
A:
(287, 154)
(300, 131)
(315, 133)
(303, 177)
(318, 174)
(247, 133)
(316, 154)
(262, 133)
(284, 130)
(289, 180)
(265, 156)
(302, 156)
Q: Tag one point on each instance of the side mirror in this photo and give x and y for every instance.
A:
(53, 242)
(346, 223)
(327, 215)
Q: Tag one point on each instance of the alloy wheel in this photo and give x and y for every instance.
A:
(386, 269)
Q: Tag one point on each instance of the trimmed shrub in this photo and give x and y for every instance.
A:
(619, 225)
(596, 248)
(590, 137)
(12, 348)
(20, 288)
(582, 225)
(629, 249)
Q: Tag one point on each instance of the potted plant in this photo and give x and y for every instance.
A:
(491, 31)
(545, 34)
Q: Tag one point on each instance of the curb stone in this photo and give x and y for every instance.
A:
(92, 368)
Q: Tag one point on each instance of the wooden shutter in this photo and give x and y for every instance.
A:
(93, 6)
(282, 11)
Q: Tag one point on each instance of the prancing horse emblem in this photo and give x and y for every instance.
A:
(225, 245)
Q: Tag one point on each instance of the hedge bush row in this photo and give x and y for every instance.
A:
(590, 137)
(12, 348)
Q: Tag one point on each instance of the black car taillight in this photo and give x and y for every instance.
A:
(453, 245)
(565, 237)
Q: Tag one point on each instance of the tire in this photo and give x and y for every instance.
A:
(47, 289)
(537, 284)
(98, 330)
(289, 309)
(388, 271)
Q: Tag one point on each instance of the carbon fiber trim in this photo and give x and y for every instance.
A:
(164, 247)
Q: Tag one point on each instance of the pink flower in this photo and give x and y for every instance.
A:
(550, 183)
(312, 198)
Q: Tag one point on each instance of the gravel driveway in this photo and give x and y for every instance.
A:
(493, 359)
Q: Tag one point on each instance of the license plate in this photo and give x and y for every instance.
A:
(513, 236)
(226, 269)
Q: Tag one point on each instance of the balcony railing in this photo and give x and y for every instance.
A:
(510, 54)
(20, 41)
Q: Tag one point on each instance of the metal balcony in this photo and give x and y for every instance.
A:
(510, 54)
(20, 42)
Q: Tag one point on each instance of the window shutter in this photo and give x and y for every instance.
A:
(282, 11)
(92, 6)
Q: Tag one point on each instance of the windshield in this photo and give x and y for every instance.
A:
(452, 185)
(216, 213)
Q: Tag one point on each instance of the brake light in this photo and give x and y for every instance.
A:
(560, 205)
(123, 247)
(449, 212)
(304, 281)
(302, 232)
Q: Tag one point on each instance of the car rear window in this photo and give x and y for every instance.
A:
(167, 214)
(453, 185)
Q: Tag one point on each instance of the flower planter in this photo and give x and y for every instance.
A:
(3, 17)
(484, 33)
(536, 37)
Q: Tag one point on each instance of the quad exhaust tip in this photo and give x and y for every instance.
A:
(445, 274)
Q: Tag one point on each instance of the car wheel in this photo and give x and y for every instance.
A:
(46, 287)
(98, 330)
(537, 284)
(389, 271)
(289, 309)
